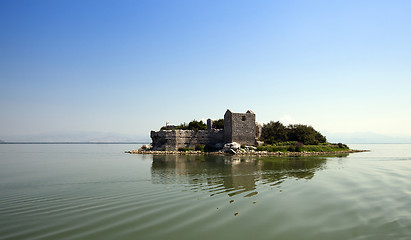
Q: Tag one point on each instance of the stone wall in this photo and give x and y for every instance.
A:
(159, 139)
(228, 126)
(172, 140)
(215, 136)
(240, 127)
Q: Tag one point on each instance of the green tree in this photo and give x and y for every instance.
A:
(218, 124)
(197, 125)
(193, 125)
(304, 134)
(273, 132)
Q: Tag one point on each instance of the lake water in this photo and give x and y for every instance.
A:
(50, 191)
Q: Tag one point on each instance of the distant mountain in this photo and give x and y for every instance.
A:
(359, 137)
(365, 137)
(79, 137)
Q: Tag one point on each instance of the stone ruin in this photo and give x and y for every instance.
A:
(238, 127)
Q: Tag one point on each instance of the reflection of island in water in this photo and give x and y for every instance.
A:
(231, 174)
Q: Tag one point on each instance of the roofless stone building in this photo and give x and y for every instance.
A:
(238, 127)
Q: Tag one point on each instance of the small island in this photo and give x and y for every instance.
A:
(238, 133)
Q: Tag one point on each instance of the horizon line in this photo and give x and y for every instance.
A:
(70, 142)
(144, 142)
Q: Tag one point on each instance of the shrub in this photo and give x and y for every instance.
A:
(273, 132)
(287, 143)
(183, 149)
(340, 145)
(300, 147)
(193, 125)
(197, 125)
(272, 148)
(200, 147)
(297, 147)
(304, 134)
(182, 126)
(218, 124)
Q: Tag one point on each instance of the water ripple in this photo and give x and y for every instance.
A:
(184, 198)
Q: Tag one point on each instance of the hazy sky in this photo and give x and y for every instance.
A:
(127, 67)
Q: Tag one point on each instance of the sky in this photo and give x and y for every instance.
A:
(70, 69)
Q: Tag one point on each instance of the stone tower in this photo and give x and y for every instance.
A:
(240, 127)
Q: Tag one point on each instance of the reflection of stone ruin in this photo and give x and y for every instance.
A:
(238, 127)
(230, 174)
(235, 175)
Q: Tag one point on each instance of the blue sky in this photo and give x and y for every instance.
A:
(126, 67)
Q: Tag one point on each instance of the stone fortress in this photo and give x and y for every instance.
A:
(238, 127)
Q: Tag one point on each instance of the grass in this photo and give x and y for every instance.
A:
(290, 147)
(184, 149)
(283, 147)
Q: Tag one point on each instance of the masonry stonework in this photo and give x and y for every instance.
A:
(171, 140)
(238, 127)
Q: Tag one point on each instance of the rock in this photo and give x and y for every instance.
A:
(259, 143)
(145, 147)
(219, 146)
(231, 151)
(231, 147)
(250, 147)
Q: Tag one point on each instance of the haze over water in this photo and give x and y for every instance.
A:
(98, 192)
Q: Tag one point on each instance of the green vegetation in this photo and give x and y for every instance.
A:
(296, 147)
(276, 137)
(197, 125)
(218, 124)
(184, 149)
(299, 147)
(275, 132)
(193, 125)
(295, 138)
(289, 146)
(199, 147)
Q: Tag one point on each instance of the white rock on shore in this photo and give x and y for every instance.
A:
(232, 148)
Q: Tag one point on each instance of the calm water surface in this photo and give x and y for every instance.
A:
(98, 192)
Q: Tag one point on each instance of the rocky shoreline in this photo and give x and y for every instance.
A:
(251, 153)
